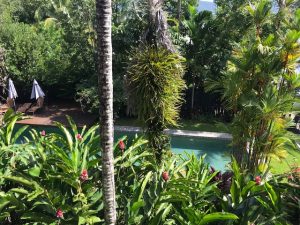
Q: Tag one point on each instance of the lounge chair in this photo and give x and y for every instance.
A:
(3, 109)
(39, 105)
(24, 107)
(10, 103)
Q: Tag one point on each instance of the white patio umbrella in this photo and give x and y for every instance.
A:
(36, 90)
(12, 93)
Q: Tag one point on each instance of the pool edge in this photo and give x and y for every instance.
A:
(184, 133)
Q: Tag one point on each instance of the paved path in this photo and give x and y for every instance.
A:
(181, 132)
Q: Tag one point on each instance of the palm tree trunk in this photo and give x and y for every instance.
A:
(104, 69)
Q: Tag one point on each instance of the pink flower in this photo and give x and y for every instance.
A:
(165, 176)
(258, 180)
(122, 145)
(79, 137)
(59, 214)
(290, 177)
(43, 133)
(84, 175)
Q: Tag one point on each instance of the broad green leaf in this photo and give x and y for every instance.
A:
(34, 171)
(272, 194)
(219, 216)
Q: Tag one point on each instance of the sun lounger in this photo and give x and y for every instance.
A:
(10, 103)
(24, 107)
(3, 109)
(39, 105)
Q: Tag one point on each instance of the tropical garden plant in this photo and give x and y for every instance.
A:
(55, 178)
(252, 198)
(155, 80)
(155, 86)
(259, 85)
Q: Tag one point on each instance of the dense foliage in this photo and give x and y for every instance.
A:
(259, 85)
(50, 178)
(247, 52)
(54, 42)
(39, 39)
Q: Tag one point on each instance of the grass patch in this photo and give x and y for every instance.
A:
(202, 124)
(293, 158)
(283, 166)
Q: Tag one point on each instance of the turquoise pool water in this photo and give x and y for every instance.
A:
(217, 150)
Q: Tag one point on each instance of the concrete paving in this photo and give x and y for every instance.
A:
(186, 133)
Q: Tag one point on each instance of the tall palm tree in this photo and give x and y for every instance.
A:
(104, 68)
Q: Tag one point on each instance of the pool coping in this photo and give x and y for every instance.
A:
(184, 133)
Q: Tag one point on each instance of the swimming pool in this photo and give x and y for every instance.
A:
(217, 150)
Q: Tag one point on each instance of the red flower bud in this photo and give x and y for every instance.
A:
(59, 214)
(79, 137)
(84, 175)
(258, 180)
(297, 170)
(121, 145)
(165, 176)
(43, 133)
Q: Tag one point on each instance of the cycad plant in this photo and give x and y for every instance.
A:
(260, 83)
(155, 88)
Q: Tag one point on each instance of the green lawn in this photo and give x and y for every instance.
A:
(293, 158)
(278, 167)
(203, 124)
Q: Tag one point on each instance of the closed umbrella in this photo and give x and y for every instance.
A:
(36, 91)
(12, 93)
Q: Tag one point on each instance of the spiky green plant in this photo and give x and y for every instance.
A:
(155, 86)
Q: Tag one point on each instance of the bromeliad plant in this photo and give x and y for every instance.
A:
(155, 84)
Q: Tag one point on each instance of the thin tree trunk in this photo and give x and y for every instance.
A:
(179, 11)
(193, 97)
(104, 69)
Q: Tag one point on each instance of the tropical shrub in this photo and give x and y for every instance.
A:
(252, 198)
(47, 179)
(289, 184)
(259, 85)
(9, 135)
(54, 178)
